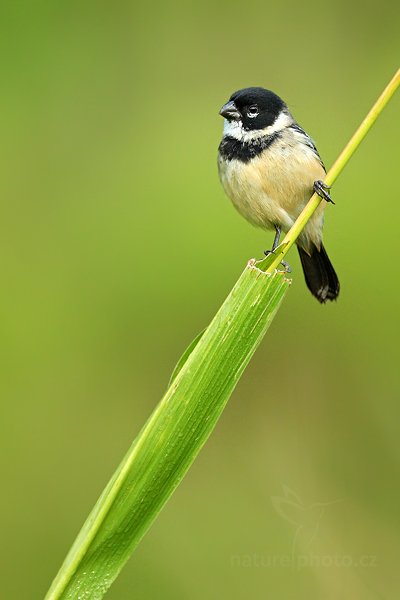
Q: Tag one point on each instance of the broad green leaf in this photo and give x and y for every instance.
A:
(171, 439)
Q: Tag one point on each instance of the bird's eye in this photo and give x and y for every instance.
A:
(252, 111)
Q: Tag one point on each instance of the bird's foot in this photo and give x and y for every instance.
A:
(288, 268)
(322, 190)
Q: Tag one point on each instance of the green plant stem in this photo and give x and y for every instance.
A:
(180, 425)
(334, 172)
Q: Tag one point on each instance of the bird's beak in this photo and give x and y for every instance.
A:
(230, 112)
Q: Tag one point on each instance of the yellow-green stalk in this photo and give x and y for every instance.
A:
(332, 175)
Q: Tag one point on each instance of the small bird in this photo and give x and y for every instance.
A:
(269, 167)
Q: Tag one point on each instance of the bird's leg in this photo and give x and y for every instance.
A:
(275, 244)
(322, 190)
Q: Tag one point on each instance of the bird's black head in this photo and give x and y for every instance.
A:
(255, 107)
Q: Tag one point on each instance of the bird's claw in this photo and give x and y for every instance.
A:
(288, 268)
(321, 189)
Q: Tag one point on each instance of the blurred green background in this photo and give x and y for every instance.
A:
(117, 246)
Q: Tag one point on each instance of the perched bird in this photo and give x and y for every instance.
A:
(269, 167)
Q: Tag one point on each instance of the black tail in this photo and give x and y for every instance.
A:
(320, 276)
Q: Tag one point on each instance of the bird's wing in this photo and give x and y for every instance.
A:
(308, 141)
